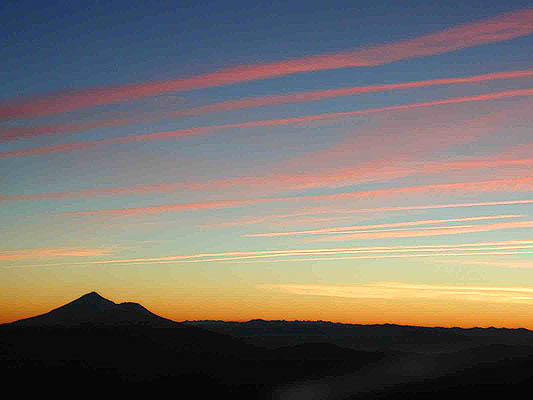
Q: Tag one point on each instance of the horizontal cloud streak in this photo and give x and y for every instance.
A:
(506, 185)
(13, 133)
(53, 252)
(379, 226)
(319, 211)
(254, 124)
(277, 182)
(425, 233)
(362, 172)
(332, 93)
(327, 257)
(413, 253)
(208, 205)
(487, 247)
(499, 28)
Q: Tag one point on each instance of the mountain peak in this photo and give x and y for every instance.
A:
(92, 299)
(91, 308)
(93, 296)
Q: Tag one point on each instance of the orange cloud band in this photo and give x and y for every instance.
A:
(254, 124)
(499, 28)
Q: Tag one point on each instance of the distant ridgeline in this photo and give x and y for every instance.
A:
(386, 336)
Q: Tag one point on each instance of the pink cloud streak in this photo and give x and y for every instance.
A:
(343, 229)
(296, 181)
(14, 133)
(53, 252)
(331, 93)
(254, 124)
(499, 28)
(505, 185)
(424, 233)
(321, 211)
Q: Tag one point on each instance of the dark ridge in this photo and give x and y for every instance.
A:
(329, 324)
(393, 337)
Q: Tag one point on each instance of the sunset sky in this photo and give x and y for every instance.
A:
(350, 161)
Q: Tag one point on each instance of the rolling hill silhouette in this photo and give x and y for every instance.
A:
(96, 344)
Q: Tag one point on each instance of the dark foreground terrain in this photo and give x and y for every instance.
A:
(94, 346)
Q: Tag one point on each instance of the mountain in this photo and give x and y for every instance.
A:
(96, 310)
(92, 341)
(93, 326)
(105, 347)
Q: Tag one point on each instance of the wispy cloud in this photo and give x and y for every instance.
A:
(344, 211)
(349, 229)
(368, 252)
(253, 124)
(425, 233)
(328, 257)
(406, 291)
(336, 177)
(499, 185)
(54, 252)
(332, 93)
(204, 205)
(499, 28)
(361, 172)
(8, 133)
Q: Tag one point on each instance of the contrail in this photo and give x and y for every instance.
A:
(502, 27)
(13, 133)
(180, 133)
(511, 184)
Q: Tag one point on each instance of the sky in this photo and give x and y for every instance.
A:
(350, 161)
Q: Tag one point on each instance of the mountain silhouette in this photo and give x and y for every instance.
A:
(92, 308)
(100, 322)
(96, 344)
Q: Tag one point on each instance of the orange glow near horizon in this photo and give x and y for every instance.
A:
(244, 307)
